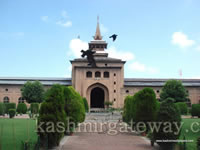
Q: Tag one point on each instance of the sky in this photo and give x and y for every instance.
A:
(156, 38)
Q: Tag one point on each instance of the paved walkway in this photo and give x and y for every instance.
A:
(104, 141)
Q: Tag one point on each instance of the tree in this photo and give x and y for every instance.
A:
(170, 118)
(86, 104)
(145, 106)
(74, 105)
(174, 89)
(33, 92)
(128, 109)
(52, 117)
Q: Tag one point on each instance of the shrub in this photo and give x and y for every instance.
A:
(198, 143)
(86, 104)
(2, 109)
(51, 113)
(195, 111)
(21, 108)
(10, 106)
(34, 108)
(11, 112)
(168, 113)
(74, 105)
(145, 106)
(128, 109)
(174, 89)
(182, 107)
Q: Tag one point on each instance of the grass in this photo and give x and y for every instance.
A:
(14, 131)
(189, 135)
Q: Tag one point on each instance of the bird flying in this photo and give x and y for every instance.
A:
(114, 36)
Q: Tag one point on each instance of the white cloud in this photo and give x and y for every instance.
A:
(139, 67)
(76, 45)
(64, 23)
(113, 52)
(103, 29)
(44, 18)
(181, 39)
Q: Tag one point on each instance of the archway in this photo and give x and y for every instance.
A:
(97, 98)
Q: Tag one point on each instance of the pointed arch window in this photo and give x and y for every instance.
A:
(21, 100)
(6, 99)
(89, 74)
(97, 74)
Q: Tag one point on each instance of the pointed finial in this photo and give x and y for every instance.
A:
(98, 33)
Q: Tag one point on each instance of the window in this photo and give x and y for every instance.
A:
(157, 91)
(89, 74)
(114, 74)
(97, 74)
(21, 100)
(106, 64)
(127, 91)
(114, 82)
(114, 91)
(114, 99)
(6, 90)
(106, 74)
(6, 99)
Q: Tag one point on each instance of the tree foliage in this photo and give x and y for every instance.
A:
(2, 108)
(168, 114)
(86, 104)
(52, 111)
(74, 105)
(174, 89)
(33, 92)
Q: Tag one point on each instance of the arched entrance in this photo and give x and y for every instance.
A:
(97, 98)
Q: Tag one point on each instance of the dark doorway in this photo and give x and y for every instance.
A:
(97, 98)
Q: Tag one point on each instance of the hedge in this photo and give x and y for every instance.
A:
(195, 111)
(9, 106)
(21, 108)
(34, 108)
(182, 107)
(12, 113)
(2, 108)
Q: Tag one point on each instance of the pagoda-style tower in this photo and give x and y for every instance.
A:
(101, 83)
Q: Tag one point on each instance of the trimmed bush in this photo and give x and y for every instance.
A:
(12, 113)
(168, 113)
(74, 105)
(86, 104)
(182, 108)
(2, 109)
(128, 109)
(52, 116)
(21, 108)
(34, 108)
(195, 111)
(9, 106)
(145, 108)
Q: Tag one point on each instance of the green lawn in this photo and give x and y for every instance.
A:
(15, 131)
(190, 135)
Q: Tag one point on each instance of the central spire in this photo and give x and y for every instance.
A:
(98, 33)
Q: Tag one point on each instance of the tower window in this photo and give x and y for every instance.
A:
(127, 91)
(6, 90)
(157, 91)
(6, 99)
(89, 74)
(114, 74)
(97, 74)
(114, 82)
(114, 99)
(106, 74)
(106, 64)
(114, 91)
(21, 100)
